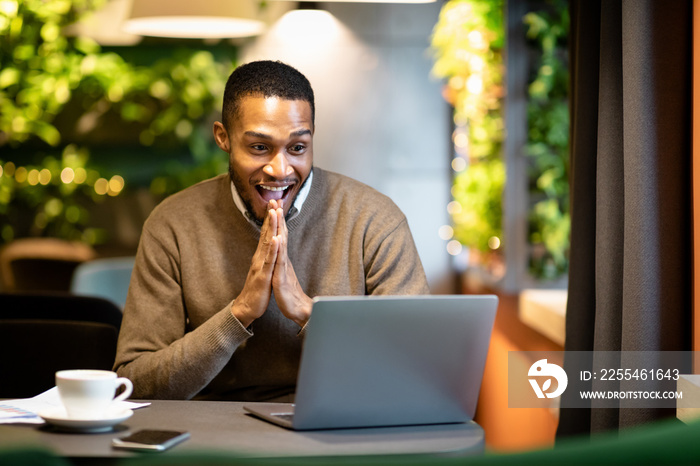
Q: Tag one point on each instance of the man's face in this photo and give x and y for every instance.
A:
(270, 147)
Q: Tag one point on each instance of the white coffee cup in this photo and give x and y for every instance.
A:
(88, 393)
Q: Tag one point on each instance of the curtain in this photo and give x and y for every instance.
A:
(630, 269)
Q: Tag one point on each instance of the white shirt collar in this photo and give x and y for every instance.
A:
(293, 212)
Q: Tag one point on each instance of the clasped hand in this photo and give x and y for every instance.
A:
(271, 271)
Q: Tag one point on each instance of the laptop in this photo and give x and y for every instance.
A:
(371, 361)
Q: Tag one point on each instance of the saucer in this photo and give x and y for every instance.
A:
(58, 418)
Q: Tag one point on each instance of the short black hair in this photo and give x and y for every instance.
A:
(265, 78)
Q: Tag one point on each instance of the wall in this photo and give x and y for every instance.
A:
(513, 429)
(380, 117)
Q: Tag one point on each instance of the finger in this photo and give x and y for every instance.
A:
(272, 208)
(273, 224)
(271, 256)
(281, 222)
(266, 223)
(267, 232)
(282, 259)
(283, 226)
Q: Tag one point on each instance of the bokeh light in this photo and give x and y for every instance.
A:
(116, 184)
(33, 177)
(67, 175)
(101, 186)
(44, 176)
(454, 207)
(80, 175)
(459, 164)
(10, 169)
(454, 247)
(446, 232)
(21, 175)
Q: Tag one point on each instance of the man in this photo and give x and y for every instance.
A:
(225, 271)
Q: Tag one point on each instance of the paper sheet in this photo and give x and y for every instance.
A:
(25, 410)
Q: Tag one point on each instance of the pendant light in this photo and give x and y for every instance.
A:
(206, 19)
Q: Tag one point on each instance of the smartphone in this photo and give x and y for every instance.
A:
(150, 440)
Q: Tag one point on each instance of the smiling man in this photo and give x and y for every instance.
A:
(226, 270)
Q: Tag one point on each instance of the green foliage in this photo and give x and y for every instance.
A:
(208, 161)
(479, 197)
(474, 75)
(548, 140)
(65, 90)
(37, 200)
(40, 66)
(468, 45)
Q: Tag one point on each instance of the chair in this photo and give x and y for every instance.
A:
(107, 278)
(41, 264)
(43, 333)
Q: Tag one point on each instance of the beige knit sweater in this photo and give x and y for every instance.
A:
(178, 339)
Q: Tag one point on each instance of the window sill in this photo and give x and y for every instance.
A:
(545, 312)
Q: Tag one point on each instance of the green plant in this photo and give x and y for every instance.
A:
(468, 44)
(40, 66)
(50, 199)
(548, 140)
(56, 91)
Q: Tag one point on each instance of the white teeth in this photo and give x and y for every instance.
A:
(273, 188)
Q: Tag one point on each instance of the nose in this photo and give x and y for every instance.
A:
(279, 167)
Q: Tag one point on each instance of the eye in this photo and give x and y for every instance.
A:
(258, 147)
(297, 149)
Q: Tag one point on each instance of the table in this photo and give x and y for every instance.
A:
(225, 426)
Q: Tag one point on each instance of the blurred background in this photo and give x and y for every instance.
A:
(457, 110)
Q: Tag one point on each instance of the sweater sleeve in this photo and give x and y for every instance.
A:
(155, 350)
(392, 264)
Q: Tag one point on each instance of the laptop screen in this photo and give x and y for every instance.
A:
(390, 360)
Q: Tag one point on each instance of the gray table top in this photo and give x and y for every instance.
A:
(226, 427)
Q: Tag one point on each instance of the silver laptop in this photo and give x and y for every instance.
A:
(387, 361)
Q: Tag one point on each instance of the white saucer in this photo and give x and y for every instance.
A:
(58, 417)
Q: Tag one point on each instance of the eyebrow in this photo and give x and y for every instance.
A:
(293, 134)
(254, 134)
(301, 132)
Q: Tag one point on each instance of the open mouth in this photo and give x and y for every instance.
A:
(269, 193)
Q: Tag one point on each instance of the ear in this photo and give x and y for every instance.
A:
(221, 137)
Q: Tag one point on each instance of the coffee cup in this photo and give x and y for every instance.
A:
(87, 393)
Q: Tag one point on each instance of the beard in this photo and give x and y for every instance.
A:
(245, 196)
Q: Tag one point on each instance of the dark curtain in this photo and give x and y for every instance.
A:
(630, 270)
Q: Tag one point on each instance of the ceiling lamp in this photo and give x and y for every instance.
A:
(202, 19)
(372, 1)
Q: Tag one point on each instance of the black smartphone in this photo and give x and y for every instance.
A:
(150, 440)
